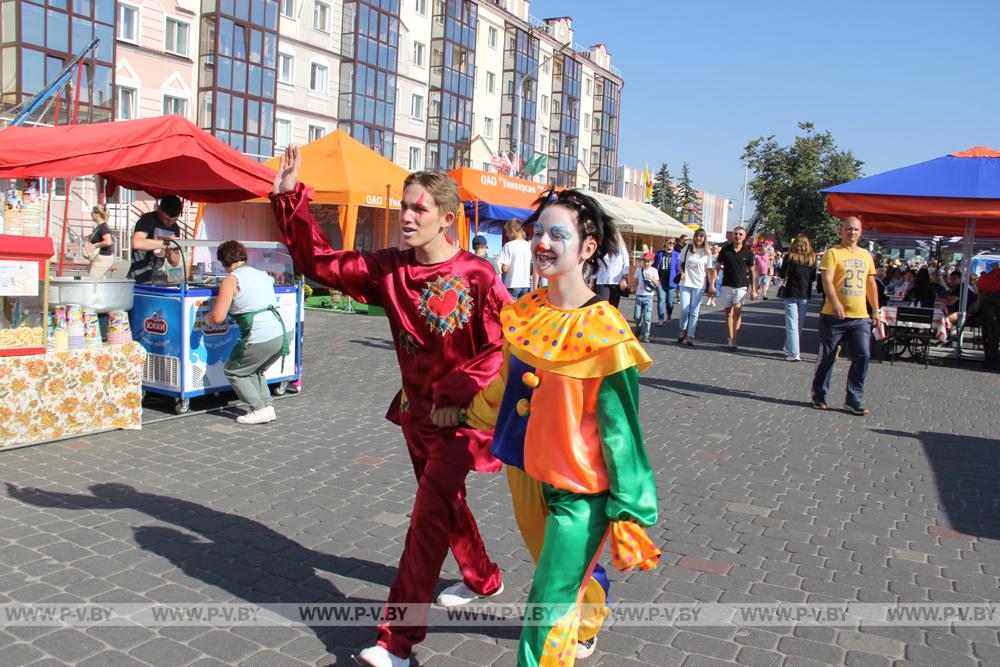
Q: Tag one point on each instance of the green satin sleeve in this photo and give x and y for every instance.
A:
(632, 487)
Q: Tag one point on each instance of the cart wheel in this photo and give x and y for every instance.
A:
(280, 388)
(182, 405)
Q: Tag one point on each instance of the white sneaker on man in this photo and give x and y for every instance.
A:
(271, 413)
(459, 594)
(261, 416)
(377, 656)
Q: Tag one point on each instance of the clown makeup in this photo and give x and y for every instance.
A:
(556, 244)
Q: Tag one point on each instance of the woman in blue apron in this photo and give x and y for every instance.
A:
(247, 295)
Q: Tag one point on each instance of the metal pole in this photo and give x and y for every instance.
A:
(743, 206)
(69, 181)
(52, 181)
(387, 190)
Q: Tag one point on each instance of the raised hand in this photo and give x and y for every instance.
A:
(288, 171)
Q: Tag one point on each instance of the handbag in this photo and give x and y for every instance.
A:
(781, 291)
(91, 254)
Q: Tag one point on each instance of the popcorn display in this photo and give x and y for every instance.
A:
(118, 327)
(22, 337)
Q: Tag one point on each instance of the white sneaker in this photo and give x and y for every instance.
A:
(376, 656)
(792, 357)
(731, 344)
(585, 649)
(459, 594)
(261, 416)
(270, 412)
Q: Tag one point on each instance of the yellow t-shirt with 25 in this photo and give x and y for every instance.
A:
(850, 278)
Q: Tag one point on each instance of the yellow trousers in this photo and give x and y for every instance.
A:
(531, 512)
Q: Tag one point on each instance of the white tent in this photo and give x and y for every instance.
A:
(642, 219)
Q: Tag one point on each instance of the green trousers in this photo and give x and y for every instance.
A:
(575, 531)
(247, 374)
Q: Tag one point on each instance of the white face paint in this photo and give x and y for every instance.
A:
(555, 244)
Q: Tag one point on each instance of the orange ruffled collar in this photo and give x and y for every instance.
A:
(588, 342)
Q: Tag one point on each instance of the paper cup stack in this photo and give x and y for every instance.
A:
(91, 329)
(74, 326)
(118, 329)
(60, 336)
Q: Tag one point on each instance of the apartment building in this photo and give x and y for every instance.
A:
(426, 83)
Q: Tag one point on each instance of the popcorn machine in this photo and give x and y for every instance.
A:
(24, 290)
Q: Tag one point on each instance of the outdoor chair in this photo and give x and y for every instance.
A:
(913, 330)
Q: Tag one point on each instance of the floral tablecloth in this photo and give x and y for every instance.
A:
(67, 393)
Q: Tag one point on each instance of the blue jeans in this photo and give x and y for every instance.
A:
(795, 317)
(644, 313)
(517, 292)
(857, 332)
(690, 308)
(664, 301)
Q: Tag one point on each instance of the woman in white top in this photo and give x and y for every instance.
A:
(247, 294)
(696, 271)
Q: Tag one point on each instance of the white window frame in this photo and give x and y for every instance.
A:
(421, 49)
(291, 130)
(122, 6)
(282, 9)
(545, 103)
(487, 127)
(326, 81)
(590, 85)
(329, 10)
(183, 98)
(187, 45)
(491, 82)
(309, 131)
(421, 7)
(492, 37)
(420, 114)
(586, 121)
(418, 163)
(119, 87)
(291, 73)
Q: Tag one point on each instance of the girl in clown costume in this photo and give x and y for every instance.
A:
(565, 410)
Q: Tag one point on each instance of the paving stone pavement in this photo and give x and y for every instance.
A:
(762, 500)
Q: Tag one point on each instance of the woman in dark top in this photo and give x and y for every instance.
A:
(922, 293)
(798, 273)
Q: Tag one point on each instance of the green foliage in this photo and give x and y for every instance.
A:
(788, 179)
(664, 197)
(686, 196)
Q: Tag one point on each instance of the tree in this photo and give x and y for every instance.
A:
(687, 196)
(788, 179)
(663, 191)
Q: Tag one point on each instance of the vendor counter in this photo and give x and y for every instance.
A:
(49, 396)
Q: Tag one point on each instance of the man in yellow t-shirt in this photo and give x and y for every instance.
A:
(848, 275)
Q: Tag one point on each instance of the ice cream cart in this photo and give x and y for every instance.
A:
(185, 356)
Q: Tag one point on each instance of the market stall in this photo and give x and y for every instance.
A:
(640, 224)
(68, 374)
(489, 200)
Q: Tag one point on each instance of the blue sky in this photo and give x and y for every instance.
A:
(896, 81)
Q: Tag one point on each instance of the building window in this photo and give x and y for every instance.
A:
(417, 106)
(316, 132)
(286, 68)
(487, 166)
(128, 23)
(547, 65)
(418, 54)
(492, 39)
(126, 109)
(491, 82)
(321, 15)
(415, 159)
(317, 77)
(586, 121)
(590, 86)
(176, 40)
(421, 7)
(488, 127)
(545, 104)
(282, 133)
(174, 105)
(543, 143)
(288, 8)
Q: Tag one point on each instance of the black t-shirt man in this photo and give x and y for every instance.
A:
(156, 225)
(735, 265)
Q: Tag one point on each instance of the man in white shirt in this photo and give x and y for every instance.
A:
(515, 260)
(612, 275)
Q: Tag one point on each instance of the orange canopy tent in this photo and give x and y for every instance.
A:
(490, 196)
(343, 171)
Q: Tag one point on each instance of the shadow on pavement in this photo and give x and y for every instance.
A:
(377, 343)
(966, 469)
(679, 386)
(239, 555)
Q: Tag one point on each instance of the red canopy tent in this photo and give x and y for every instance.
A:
(159, 155)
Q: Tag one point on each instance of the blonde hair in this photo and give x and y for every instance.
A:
(514, 228)
(441, 187)
(802, 251)
(101, 211)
